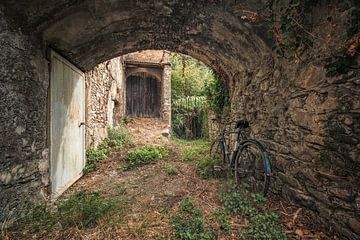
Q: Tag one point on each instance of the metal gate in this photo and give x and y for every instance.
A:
(67, 131)
(143, 96)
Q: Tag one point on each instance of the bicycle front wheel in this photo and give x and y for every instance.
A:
(252, 167)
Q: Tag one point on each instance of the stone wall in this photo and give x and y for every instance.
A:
(23, 120)
(309, 123)
(104, 97)
(312, 136)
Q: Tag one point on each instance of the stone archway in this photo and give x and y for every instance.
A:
(308, 122)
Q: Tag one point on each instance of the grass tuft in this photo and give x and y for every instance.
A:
(170, 170)
(83, 210)
(138, 157)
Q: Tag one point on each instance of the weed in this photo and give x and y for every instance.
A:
(241, 200)
(116, 138)
(263, 226)
(84, 209)
(221, 216)
(37, 218)
(193, 150)
(125, 121)
(170, 170)
(138, 157)
(205, 167)
(189, 224)
(164, 210)
(93, 155)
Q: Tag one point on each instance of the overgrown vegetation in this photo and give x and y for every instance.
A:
(198, 151)
(189, 224)
(205, 167)
(141, 156)
(260, 223)
(116, 138)
(193, 150)
(190, 117)
(217, 94)
(83, 210)
(221, 216)
(263, 226)
(195, 90)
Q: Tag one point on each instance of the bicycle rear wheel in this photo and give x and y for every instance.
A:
(252, 167)
(217, 151)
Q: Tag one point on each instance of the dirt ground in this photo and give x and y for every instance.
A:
(149, 196)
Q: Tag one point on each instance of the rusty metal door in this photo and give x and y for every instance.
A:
(67, 133)
(142, 96)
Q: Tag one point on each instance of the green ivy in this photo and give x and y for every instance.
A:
(217, 94)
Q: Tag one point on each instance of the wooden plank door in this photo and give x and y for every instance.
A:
(142, 96)
(67, 134)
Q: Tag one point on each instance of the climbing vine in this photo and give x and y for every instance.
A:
(217, 94)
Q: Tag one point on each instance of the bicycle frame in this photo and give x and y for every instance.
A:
(230, 156)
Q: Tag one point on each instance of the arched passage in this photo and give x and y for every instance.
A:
(308, 122)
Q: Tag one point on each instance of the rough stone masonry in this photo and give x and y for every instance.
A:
(106, 87)
(308, 121)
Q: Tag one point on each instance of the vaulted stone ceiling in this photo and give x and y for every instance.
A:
(90, 32)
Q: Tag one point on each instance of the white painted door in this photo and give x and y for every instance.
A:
(67, 133)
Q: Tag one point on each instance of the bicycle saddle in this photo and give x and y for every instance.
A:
(242, 124)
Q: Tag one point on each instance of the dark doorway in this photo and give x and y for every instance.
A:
(142, 96)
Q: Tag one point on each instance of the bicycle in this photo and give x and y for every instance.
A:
(248, 160)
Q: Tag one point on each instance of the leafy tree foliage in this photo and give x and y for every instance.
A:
(195, 90)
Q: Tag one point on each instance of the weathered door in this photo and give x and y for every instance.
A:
(67, 133)
(142, 96)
